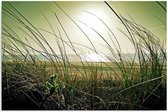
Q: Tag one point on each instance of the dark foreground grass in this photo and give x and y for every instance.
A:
(25, 87)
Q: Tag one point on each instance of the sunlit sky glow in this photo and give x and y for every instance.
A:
(148, 14)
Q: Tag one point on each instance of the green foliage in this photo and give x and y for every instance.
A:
(54, 84)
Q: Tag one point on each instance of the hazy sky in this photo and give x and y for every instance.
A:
(147, 14)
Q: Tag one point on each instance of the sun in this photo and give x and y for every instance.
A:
(89, 17)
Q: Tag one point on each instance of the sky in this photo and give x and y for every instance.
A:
(148, 14)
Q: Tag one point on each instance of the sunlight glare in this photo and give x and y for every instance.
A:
(93, 57)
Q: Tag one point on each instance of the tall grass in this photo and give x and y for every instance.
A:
(119, 84)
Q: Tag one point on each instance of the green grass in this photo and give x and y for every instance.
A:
(57, 83)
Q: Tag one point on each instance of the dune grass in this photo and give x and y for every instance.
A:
(57, 83)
